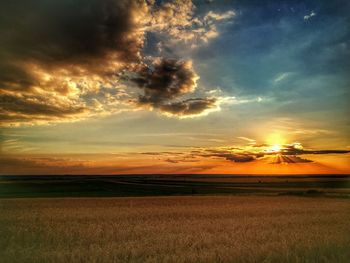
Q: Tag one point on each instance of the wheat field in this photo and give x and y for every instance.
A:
(175, 229)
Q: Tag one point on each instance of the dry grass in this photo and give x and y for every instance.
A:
(175, 229)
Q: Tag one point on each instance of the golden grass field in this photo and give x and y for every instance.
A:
(175, 229)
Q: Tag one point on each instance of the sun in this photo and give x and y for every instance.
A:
(275, 142)
(275, 148)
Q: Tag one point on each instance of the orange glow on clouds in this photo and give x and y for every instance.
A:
(139, 164)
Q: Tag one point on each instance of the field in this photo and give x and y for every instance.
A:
(175, 229)
(174, 185)
(177, 218)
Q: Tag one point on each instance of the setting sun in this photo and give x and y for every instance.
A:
(275, 148)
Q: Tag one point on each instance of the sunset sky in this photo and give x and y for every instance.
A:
(125, 87)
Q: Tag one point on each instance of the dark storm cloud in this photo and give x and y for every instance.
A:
(164, 80)
(13, 77)
(30, 107)
(189, 107)
(47, 47)
(60, 57)
(65, 31)
(167, 79)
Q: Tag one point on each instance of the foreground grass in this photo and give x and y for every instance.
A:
(175, 229)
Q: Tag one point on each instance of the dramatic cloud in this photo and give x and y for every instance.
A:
(231, 154)
(63, 60)
(288, 153)
(237, 158)
(190, 107)
(166, 80)
(59, 52)
(27, 106)
(177, 20)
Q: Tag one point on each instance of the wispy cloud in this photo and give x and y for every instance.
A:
(281, 77)
(307, 17)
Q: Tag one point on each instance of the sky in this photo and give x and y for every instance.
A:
(178, 86)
